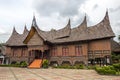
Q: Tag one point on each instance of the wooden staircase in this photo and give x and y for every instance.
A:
(37, 63)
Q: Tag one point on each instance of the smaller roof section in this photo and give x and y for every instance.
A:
(64, 32)
(115, 46)
(16, 39)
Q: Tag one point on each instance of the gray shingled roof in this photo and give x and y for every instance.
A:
(17, 39)
(80, 33)
(115, 46)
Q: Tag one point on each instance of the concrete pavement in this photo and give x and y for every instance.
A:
(11, 73)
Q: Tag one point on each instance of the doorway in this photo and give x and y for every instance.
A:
(38, 54)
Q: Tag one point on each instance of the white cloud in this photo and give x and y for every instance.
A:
(15, 14)
(55, 14)
(96, 9)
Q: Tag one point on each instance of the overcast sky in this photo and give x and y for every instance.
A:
(54, 14)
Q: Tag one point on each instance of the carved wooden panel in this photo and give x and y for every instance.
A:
(35, 40)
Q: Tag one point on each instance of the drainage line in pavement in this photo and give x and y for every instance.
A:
(62, 75)
(55, 74)
(13, 74)
(36, 74)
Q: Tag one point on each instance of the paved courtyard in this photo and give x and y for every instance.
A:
(10, 73)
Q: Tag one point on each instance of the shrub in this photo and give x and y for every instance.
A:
(9, 65)
(67, 66)
(112, 72)
(14, 62)
(107, 70)
(99, 70)
(91, 67)
(117, 66)
(115, 58)
(23, 64)
(80, 66)
(17, 64)
(4, 65)
(45, 63)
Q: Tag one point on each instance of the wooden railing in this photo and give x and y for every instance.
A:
(93, 55)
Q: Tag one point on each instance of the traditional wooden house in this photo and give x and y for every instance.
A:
(68, 45)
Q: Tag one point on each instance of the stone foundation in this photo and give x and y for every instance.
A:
(71, 60)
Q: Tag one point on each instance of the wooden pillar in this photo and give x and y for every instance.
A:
(42, 54)
(29, 52)
(3, 60)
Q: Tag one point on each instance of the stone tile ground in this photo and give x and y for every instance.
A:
(10, 73)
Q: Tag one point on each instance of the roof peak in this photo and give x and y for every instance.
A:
(69, 23)
(14, 31)
(106, 18)
(85, 19)
(84, 23)
(25, 29)
(34, 24)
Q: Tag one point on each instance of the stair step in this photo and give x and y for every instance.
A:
(37, 63)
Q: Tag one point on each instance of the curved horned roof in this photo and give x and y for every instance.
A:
(82, 32)
(17, 39)
(66, 34)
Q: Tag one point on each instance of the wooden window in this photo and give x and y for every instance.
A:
(8, 54)
(106, 51)
(78, 50)
(65, 51)
(23, 52)
(54, 51)
(13, 52)
(16, 52)
(90, 52)
(30, 53)
(98, 52)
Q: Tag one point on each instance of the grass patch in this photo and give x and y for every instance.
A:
(22, 64)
